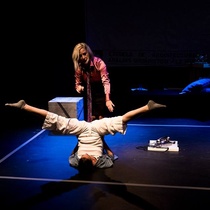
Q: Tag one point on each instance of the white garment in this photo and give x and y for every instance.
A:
(88, 133)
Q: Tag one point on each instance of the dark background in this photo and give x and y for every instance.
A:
(38, 39)
(37, 43)
(148, 33)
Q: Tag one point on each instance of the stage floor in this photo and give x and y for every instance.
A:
(35, 174)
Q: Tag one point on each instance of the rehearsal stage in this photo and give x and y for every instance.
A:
(35, 174)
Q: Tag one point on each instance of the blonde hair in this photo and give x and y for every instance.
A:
(75, 53)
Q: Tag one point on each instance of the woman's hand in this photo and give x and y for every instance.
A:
(110, 105)
(79, 88)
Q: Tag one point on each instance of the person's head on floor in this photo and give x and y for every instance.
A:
(86, 163)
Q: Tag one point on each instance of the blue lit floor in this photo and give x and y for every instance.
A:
(35, 174)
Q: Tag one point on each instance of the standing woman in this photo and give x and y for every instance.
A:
(92, 78)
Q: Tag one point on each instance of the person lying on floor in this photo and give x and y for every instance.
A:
(89, 152)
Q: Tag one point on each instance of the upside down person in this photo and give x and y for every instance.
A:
(89, 152)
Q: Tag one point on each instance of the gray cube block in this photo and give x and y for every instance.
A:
(67, 106)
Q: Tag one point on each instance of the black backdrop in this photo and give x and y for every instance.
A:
(149, 43)
(148, 33)
(38, 38)
(37, 42)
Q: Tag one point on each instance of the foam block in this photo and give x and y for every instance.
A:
(67, 106)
